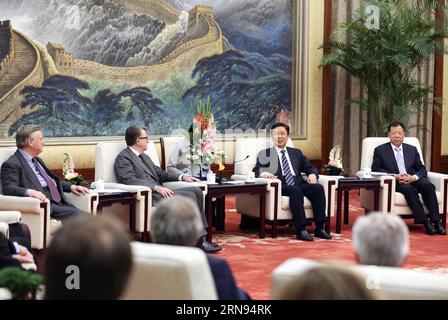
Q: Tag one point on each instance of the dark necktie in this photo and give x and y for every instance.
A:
(141, 158)
(54, 193)
(289, 178)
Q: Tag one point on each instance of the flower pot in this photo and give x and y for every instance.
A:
(334, 172)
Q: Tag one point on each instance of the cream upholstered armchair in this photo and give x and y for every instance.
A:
(106, 153)
(387, 283)
(167, 145)
(394, 202)
(164, 272)
(36, 213)
(277, 206)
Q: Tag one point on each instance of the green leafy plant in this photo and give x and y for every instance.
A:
(386, 59)
(23, 284)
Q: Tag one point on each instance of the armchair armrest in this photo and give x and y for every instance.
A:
(35, 213)
(439, 180)
(239, 176)
(183, 184)
(143, 205)
(4, 229)
(86, 202)
(10, 216)
(22, 204)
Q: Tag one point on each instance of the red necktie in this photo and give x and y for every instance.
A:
(54, 193)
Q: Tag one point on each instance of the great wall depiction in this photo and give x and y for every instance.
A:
(27, 63)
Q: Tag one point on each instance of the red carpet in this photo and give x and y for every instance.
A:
(252, 260)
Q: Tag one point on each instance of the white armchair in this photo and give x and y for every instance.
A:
(387, 283)
(106, 153)
(167, 145)
(394, 202)
(36, 213)
(277, 206)
(164, 272)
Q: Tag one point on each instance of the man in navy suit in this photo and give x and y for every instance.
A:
(403, 160)
(176, 221)
(287, 164)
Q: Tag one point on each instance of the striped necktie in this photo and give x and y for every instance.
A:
(400, 160)
(289, 178)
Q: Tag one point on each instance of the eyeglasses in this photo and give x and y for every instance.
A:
(144, 138)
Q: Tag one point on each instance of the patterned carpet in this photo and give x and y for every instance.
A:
(252, 260)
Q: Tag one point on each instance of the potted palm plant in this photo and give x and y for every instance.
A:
(385, 58)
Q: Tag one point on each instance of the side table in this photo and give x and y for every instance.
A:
(350, 183)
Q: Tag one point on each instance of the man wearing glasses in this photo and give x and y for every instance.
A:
(132, 166)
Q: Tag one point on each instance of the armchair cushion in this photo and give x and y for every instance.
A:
(169, 272)
(387, 282)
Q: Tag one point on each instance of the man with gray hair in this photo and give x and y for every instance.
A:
(25, 174)
(381, 239)
(176, 221)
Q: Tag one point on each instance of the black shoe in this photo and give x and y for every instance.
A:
(304, 235)
(429, 228)
(439, 228)
(321, 233)
(209, 247)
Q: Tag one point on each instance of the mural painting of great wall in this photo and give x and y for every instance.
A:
(48, 83)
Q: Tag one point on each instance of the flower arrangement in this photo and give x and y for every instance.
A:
(204, 150)
(334, 166)
(68, 170)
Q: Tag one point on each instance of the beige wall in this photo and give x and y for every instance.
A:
(312, 145)
(445, 108)
(84, 155)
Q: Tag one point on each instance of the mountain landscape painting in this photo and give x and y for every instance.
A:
(94, 67)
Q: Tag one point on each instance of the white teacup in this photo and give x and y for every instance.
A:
(211, 177)
(366, 172)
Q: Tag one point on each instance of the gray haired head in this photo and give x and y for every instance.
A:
(381, 239)
(176, 221)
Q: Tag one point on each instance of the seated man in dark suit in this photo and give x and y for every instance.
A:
(176, 221)
(403, 160)
(287, 164)
(24, 174)
(132, 166)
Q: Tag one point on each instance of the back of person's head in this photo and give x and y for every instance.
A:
(326, 283)
(88, 258)
(381, 239)
(176, 221)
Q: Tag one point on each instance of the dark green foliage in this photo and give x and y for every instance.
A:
(22, 284)
(386, 60)
(247, 89)
(65, 112)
